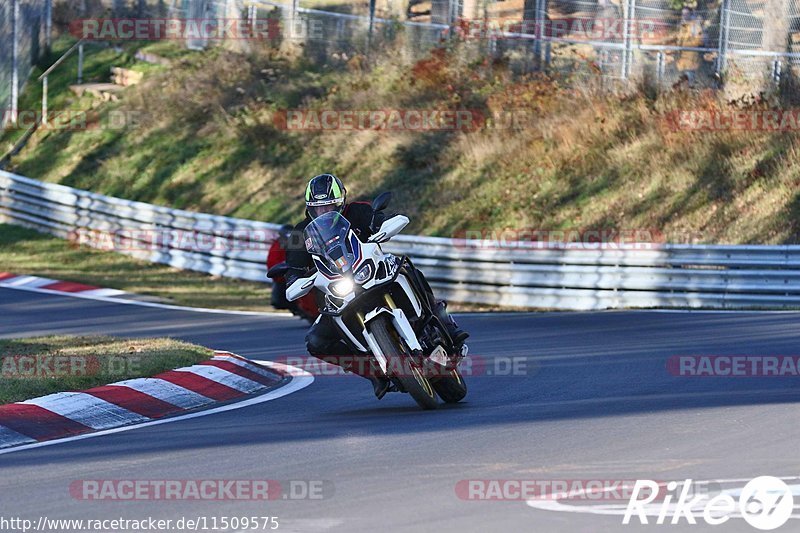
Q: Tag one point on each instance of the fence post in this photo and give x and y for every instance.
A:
(628, 13)
(252, 17)
(777, 67)
(371, 25)
(44, 100)
(48, 24)
(547, 45)
(15, 36)
(294, 19)
(80, 63)
(538, 33)
(724, 25)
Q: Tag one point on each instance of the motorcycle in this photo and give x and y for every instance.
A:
(379, 304)
(305, 307)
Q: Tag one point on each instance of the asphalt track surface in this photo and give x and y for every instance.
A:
(595, 402)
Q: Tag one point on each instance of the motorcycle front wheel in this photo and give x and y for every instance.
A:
(409, 376)
(451, 388)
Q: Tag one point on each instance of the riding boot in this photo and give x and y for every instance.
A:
(456, 333)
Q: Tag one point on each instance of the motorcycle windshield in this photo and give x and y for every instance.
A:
(326, 237)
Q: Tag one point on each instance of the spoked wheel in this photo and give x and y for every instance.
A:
(451, 388)
(409, 376)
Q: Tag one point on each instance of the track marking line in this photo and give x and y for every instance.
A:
(99, 297)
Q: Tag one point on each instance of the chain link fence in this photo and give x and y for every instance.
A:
(324, 35)
(617, 41)
(735, 40)
(754, 44)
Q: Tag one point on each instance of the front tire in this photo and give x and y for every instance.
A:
(451, 388)
(411, 377)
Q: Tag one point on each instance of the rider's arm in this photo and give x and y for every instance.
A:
(378, 220)
(360, 216)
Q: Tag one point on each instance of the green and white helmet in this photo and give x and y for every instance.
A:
(324, 193)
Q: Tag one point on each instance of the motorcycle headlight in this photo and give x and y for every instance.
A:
(342, 287)
(363, 274)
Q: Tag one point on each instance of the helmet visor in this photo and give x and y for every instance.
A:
(317, 210)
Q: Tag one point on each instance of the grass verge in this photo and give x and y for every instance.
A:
(39, 366)
(24, 251)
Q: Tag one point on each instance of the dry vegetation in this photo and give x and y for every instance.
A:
(207, 139)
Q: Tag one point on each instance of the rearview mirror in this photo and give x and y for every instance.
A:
(381, 202)
(390, 228)
(300, 288)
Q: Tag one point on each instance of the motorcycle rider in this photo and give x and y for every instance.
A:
(305, 307)
(325, 193)
(275, 256)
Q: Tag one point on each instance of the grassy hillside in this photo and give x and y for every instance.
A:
(205, 138)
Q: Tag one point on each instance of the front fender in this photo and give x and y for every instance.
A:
(402, 326)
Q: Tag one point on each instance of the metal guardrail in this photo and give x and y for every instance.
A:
(212, 244)
(488, 272)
